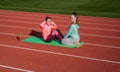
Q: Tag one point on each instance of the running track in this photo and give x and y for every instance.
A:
(100, 53)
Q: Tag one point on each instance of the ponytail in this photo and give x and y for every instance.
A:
(75, 14)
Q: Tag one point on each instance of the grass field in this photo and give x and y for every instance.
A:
(104, 8)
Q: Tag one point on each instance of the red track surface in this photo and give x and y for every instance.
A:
(100, 53)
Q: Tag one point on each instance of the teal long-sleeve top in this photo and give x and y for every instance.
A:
(73, 32)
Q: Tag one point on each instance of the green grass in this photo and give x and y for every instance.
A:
(103, 8)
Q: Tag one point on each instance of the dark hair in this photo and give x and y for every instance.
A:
(75, 14)
(47, 17)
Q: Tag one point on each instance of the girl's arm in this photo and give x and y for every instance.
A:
(69, 31)
(53, 25)
(42, 24)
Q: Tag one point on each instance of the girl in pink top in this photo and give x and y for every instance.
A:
(49, 30)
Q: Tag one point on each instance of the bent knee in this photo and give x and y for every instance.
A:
(54, 33)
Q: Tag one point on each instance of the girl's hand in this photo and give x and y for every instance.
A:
(53, 29)
(53, 25)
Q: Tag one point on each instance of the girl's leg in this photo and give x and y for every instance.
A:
(49, 38)
(69, 41)
(60, 33)
(52, 35)
(59, 37)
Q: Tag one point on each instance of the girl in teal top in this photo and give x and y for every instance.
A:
(72, 37)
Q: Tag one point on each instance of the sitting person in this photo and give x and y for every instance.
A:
(49, 30)
(72, 37)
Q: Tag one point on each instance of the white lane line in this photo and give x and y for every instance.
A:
(8, 34)
(99, 35)
(58, 53)
(98, 24)
(36, 23)
(58, 20)
(108, 46)
(103, 45)
(66, 26)
(101, 29)
(63, 32)
(14, 68)
(39, 14)
(19, 27)
(13, 34)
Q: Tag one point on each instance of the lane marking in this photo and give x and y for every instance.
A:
(101, 29)
(62, 54)
(103, 45)
(36, 23)
(19, 27)
(14, 68)
(100, 36)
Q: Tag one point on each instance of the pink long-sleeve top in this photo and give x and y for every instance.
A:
(46, 29)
